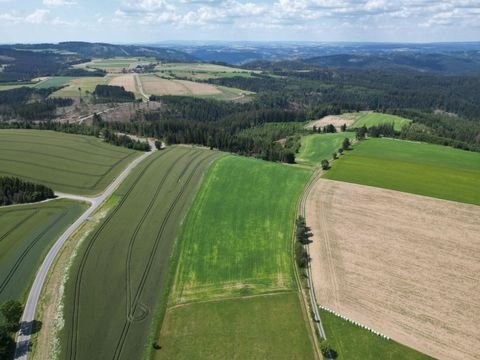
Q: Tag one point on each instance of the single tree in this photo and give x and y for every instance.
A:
(343, 127)
(334, 156)
(325, 164)
(12, 312)
(346, 144)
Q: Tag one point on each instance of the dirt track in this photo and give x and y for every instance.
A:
(405, 265)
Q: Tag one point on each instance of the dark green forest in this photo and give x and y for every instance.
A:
(17, 191)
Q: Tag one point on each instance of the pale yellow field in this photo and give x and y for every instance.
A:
(405, 265)
(127, 81)
(336, 121)
(157, 86)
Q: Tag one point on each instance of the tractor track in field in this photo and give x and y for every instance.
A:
(26, 326)
(19, 260)
(129, 313)
(72, 343)
(173, 205)
(21, 222)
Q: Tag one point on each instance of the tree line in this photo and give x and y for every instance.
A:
(14, 190)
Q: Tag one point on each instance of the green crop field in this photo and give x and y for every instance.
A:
(110, 315)
(26, 234)
(117, 64)
(57, 81)
(418, 168)
(68, 163)
(85, 83)
(236, 239)
(201, 71)
(236, 242)
(352, 342)
(318, 147)
(370, 119)
(265, 327)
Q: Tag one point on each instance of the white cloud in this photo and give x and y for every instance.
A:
(57, 3)
(39, 16)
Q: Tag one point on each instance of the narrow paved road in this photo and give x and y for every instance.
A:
(28, 318)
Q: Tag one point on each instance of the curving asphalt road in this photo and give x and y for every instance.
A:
(28, 317)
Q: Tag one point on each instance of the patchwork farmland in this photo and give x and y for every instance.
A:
(234, 247)
(131, 249)
(68, 163)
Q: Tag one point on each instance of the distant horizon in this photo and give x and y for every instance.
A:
(313, 42)
(135, 21)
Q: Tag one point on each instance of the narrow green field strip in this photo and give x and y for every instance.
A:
(67, 163)
(318, 147)
(131, 249)
(260, 327)
(26, 234)
(418, 168)
(374, 119)
(352, 342)
(62, 139)
(236, 238)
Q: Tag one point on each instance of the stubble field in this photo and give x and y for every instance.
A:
(403, 264)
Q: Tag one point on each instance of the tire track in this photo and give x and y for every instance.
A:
(20, 223)
(73, 339)
(12, 271)
(126, 327)
(133, 239)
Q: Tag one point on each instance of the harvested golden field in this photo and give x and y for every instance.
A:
(405, 265)
(127, 81)
(157, 86)
(336, 121)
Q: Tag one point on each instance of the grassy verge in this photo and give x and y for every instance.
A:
(350, 341)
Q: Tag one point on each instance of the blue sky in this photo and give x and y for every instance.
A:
(136, 21)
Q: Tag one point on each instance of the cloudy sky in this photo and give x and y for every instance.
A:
(130, 21)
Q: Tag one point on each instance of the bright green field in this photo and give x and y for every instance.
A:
(236, 239)
(119, 277)
(372, 119)
(56, 81)
(68, 163)
(117, 64)
(85, 83)
(265, 327)
(318, 147)
(26, 234)
(353, 342)
(418, 168)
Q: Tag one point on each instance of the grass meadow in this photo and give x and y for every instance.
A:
(236, 239)
(26, 234)
(85, 83)
(234, 293)
(264, 327)
(68, 163)
(370, 119)
(352, 342)
(417, 168)
(318, 147)
(131, 249)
